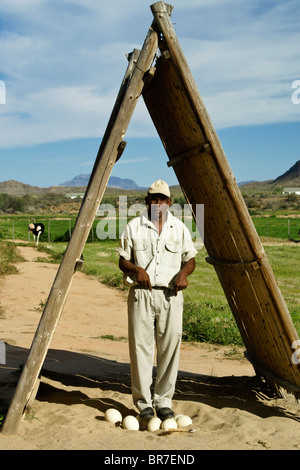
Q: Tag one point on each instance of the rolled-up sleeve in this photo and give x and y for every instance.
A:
(188, 249)
(125, 245)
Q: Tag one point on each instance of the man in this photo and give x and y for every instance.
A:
(157, 255)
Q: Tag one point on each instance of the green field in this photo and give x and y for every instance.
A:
(207, 317)
(277, 227)
(59, 228)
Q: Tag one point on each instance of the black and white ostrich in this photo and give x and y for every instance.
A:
(36, 230)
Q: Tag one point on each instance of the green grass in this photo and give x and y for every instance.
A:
(9, 256)
(58, 228)
(207, 316)
(277, 227)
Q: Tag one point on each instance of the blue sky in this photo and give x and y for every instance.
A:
(62, 62)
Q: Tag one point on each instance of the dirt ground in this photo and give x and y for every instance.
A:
(83, 375)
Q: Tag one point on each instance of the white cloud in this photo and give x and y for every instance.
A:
(63, 62)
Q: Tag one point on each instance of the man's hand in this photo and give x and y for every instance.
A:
(141, 275)
(181, 281)
(143, 278)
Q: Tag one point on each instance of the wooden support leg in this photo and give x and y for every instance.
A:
(109, 150)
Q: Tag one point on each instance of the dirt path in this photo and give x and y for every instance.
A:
(92, 310)
(83, 375)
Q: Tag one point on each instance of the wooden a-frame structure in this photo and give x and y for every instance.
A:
(161, 74)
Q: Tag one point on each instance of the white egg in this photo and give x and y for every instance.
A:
(178, 416)
(168, 424)
(131, 423)
(153, 424)
(113, 416)
(183, 421)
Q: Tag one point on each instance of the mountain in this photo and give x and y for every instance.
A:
(246, 182)
(114, 182)
(18, 189)
(289, 178)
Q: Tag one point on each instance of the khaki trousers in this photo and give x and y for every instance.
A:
(154, 319)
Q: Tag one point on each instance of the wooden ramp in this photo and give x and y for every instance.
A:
(200, 164)
(232, 243)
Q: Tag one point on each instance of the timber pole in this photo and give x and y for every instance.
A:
(110, 150)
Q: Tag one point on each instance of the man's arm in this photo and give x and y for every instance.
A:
(181, 280)
(130, 268)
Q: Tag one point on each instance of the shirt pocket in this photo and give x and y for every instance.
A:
(141, 253)
(173, 253)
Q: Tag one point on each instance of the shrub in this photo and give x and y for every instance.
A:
(211, 322)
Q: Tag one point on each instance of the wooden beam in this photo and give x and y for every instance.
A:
(243, 266)
(233, 245)
(109, 150)
(195, 152)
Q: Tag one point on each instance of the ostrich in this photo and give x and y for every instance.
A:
(36, 230)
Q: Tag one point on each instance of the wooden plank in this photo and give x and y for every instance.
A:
(110, 147)
(164, 25)
(198, 174)
(184, 126)
(196, 152)
(245, 266)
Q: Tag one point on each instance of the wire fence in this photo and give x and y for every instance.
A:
(55, 230)
(276, 227)
(60, 229)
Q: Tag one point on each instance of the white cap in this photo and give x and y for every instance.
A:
(159, 187)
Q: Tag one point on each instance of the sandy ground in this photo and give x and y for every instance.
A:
(84, 375)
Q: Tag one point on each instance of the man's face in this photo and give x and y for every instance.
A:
(158, 205)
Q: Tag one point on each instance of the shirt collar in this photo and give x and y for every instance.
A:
(146, 221)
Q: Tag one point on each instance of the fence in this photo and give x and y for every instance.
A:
(277, 227)
(56, 230)
(60, 230)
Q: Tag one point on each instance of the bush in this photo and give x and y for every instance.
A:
(8, 257)
(209, 322)
(11, 204)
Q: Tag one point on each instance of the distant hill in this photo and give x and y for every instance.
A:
(114, 182)
(246, 182)
(18, 189)
(290, 177)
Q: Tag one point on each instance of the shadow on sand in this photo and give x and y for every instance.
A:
(83, 370)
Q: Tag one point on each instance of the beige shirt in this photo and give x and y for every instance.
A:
(161, 255)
